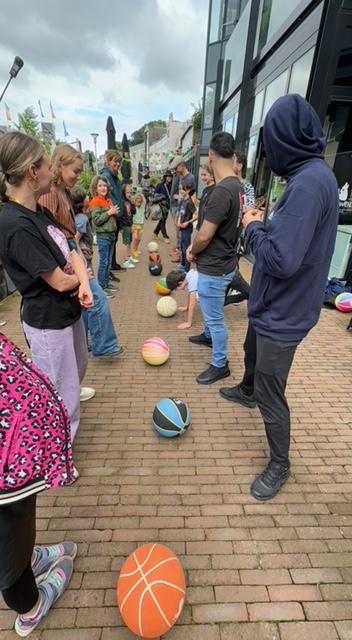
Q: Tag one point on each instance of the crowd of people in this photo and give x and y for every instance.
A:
(47, 229)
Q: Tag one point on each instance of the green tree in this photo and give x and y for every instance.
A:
(137, 136)
(197, 116)
(28, 123)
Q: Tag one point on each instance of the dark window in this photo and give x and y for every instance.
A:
(343, 76)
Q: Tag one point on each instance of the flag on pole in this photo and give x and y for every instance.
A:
(52, 111)
(40, 109)
(8, 115)
(66, 133)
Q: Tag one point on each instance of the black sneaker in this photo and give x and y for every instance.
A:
(113, 278)
(235, 394)
(201, 339)
(270, 481)
(117, 267)
(213, 374)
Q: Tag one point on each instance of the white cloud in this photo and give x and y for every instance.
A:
(136, 61)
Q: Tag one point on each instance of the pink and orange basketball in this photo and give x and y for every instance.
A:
(155, 351)
(343, 302)
(151, 590)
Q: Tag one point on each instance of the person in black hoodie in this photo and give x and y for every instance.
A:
(292, 258)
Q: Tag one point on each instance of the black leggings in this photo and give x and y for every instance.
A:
(23, 595)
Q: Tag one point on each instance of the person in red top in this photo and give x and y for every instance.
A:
(103, 214)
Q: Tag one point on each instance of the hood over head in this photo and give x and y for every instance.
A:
(292, 135)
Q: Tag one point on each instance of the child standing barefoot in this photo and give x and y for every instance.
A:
(138, 221)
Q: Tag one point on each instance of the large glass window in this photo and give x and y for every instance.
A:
(273, 14)
(275, 90)
(338, 153)
(209, 105)
(235, 52)
(216, 20)
(228, 127)
(300, 74)
(258, 107)
(252, 148)
(214, 54)
(343, 75)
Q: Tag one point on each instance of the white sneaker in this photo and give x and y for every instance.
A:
(86, 394)
(133, 260)
(3, 322)
(128, 265)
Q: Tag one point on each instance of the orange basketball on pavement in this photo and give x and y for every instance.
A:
(155, 257)
(151, 590)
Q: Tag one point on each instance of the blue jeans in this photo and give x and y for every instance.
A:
(98, 322)
(105, 252)
(211, 293)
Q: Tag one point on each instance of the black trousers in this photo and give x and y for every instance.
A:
(161, 226)
(267, 366)
(23, 595)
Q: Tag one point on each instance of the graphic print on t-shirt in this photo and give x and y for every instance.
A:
(60, 240)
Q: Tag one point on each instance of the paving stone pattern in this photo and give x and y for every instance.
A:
(275, 571)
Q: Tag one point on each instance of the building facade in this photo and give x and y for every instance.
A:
(259, 50)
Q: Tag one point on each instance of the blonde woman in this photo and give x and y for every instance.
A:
(50, 277)
(67, 166)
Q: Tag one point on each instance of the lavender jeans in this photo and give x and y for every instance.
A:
(62, 355)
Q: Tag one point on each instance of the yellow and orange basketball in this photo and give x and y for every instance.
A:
(151, 590)
(161, 287)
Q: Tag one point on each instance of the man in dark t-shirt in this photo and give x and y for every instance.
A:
(214, 249)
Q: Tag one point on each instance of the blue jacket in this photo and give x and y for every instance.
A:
(115, 187)
(293, 251)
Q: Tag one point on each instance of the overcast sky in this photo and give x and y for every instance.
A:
(136, 60)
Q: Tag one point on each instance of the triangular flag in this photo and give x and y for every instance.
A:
(40, 109)
(52, 110)
(66, 133)
(8, 115)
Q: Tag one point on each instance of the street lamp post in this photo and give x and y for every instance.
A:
(95, 137)
(16, 67)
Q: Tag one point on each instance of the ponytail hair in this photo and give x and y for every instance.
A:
(17, 153)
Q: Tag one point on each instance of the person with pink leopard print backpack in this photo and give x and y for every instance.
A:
(35, 454)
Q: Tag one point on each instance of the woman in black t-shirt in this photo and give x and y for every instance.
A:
(207, 177)
(188, 215)
(51, 279)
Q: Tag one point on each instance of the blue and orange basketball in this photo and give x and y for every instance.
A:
(151, 590)
(171, 417)
(343, 302)
(155, 351)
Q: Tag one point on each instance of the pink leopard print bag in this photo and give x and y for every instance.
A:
(35, 444)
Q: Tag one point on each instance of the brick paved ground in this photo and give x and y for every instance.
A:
(281, 570)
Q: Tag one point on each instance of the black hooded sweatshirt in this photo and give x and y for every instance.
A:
(293, 251)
